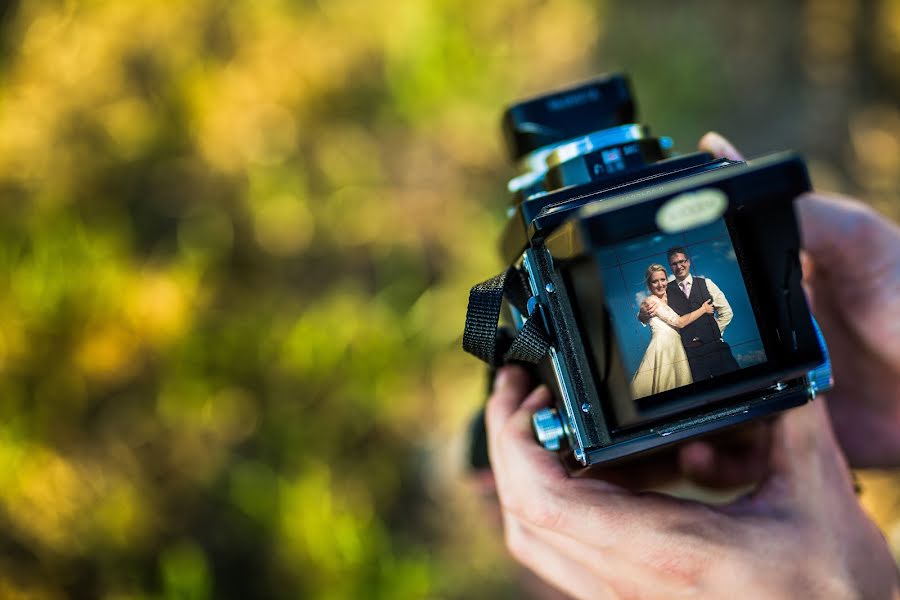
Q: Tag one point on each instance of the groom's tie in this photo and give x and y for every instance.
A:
(686, 288)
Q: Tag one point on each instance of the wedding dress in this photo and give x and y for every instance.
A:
(665, 364)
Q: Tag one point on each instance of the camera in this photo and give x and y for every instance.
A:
(657, 295)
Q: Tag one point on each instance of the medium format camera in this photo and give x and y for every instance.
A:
(657, 295)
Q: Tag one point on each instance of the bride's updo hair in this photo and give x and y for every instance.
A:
(653, 269)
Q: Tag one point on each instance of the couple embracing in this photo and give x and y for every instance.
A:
(687, 318)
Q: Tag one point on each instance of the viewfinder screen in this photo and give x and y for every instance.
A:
(679, 309)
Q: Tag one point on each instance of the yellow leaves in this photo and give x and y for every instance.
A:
(829, 39)
(47, 499)
(235, 136)
(129, 123)
(194, 410)
(11, 589)
(158, 305)
(321, 338)
(350, 155)
(121, 515)
(283, 224)
(875, 133)
(206, 234)
(175, 154)
(321, 526)
(108, 354)
(152, 312)
(253, 487)
(875, 143)
(253, 111)
(12, 341)
(888, 22)
(564, 32)
(66, 505)
(185, 571)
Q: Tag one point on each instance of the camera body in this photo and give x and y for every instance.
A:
(659, 297)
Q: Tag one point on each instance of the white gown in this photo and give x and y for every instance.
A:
(665, 364)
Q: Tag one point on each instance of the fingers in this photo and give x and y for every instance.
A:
(534, 487)
(584, 571)
(829, 224)
(510, 386)
(735, 459)
(804, 457)
(856, 262)
(511, 444)
(719, 147)
(552, 565)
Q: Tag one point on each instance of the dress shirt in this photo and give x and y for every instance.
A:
(724, 314)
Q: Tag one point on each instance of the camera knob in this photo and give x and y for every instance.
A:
(548, 428)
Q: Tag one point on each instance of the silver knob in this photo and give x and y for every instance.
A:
(548, 428)
(820, 378)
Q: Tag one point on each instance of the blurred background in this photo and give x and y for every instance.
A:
(236, 242)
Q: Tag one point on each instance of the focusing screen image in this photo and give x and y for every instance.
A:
(679, 308)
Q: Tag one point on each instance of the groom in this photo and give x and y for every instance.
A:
(708, 354)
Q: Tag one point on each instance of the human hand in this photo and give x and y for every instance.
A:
(648, 308)
(707, 307)
(800, 534)
(851, 271)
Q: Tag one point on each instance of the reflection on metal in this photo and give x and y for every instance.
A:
(821, 378)
(580, 457)
(595, 141)
(567, 396)
(534, 165)
(548, 428)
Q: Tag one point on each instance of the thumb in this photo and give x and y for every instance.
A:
(855, 256)
(843, 235)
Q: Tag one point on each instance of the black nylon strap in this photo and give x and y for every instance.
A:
(484, 339)
(531, 344)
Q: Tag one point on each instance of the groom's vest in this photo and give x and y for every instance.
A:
(705, 329)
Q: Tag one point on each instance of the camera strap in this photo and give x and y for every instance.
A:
(495, 345)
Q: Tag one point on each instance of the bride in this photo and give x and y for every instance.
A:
(665, 364)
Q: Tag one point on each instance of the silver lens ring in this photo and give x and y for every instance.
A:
(536, 163)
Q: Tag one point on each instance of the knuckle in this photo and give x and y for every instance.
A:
(511, 503)
(491, 418)
(516, 542)
(536, 509)
(699, 548)
(506, 439)
(495, 413)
